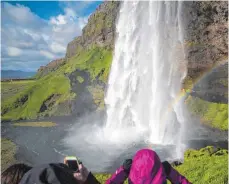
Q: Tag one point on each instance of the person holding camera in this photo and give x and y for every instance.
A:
(69, 172)
(146, 168)
(58, 173)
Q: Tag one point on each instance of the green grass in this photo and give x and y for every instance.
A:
(36, 94)
(204, 166)
(96, 61)
(26, 103)
(213, 114)
(188, 83)
(9, 89)
(8, 150)
(35, 124)
(80, 79)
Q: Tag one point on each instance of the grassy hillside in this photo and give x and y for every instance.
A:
(213, 114)
(207, 165)
(10, 89)
(54, 88)
(210, 113)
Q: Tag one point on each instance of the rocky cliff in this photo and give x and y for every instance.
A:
(52, 66)
(206, 35)
(100, 30)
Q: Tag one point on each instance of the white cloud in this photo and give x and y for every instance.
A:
(47, 54)
(59, 20)
(34, 35)
(13, 51)
(19, 13)
(31, 41)
(57, 48)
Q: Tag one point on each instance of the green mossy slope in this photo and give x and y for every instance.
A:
(27, 103)
(213, 114)
(207, 165)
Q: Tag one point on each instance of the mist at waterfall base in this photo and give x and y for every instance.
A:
(146, 75)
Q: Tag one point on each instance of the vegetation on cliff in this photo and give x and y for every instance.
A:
(213, 114)
(43, 96)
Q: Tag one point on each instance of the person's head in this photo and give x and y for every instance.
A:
(14, 173)
(146, 168)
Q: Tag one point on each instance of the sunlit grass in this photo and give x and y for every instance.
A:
(8, 150)
(213, 114)
(35, 124)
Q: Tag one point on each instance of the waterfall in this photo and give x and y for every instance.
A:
(147, 71)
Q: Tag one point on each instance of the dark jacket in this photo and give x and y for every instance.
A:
(53, 174)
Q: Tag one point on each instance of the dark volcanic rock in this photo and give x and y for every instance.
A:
(206, 35)
(83, 102)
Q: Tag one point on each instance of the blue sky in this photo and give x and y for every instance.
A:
(35, 32)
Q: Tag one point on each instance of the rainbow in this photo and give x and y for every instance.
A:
(186, 92)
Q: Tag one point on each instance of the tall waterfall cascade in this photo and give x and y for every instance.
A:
(147, 71)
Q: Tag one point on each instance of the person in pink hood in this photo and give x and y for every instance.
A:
(146, 168)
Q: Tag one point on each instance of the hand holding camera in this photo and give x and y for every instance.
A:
(79, 171)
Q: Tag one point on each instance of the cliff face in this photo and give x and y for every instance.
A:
(100, 30)
(206, 35)
(52, 66)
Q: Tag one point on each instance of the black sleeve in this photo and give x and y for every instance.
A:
(167, 167)
(91, 179)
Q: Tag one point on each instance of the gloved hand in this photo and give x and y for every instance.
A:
(127, 165)
(167, 167)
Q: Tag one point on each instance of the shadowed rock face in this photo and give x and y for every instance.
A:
(206, 35)
(83, 102)
(213, 86)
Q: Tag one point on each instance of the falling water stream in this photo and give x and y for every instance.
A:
(147, 71)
